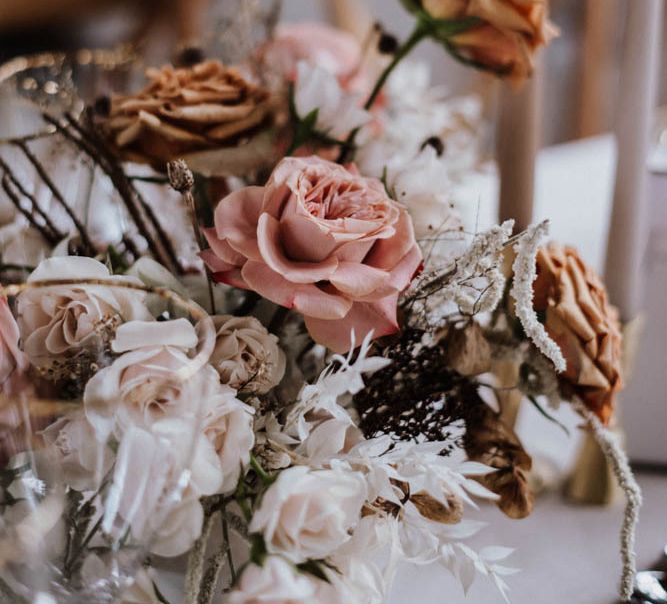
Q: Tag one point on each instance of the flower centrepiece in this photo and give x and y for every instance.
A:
(323, 240)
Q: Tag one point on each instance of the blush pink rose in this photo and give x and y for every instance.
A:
(323, 240)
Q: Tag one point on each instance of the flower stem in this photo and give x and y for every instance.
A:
(417, 35)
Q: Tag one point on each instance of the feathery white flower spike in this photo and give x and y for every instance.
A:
(525, 271)
(615, 455)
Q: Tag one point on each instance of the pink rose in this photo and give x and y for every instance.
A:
(323, 240)
(13, 361)
(333, 49)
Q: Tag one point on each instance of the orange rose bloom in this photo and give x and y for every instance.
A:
(185, 110)
(506, 40)
(584, 325)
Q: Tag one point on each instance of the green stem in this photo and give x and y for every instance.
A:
(418, 34)
(259, 470)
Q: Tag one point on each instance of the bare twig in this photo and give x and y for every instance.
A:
(57, 195)
(49, 236)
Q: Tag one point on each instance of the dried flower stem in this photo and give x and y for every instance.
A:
(196, 560)
(182, 180)
(127, 190)
(51, 237)
(57, 195)
(618, 460)
(525, 272)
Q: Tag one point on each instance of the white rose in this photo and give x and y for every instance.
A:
(246, 355)
(64, 320)
(83, 459)
(229, 427)
(150, 380)
(309, 513)
(276, 582)
(159, 477)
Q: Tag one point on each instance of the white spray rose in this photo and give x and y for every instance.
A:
(310, 513)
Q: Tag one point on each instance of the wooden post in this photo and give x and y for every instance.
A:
(517, 141)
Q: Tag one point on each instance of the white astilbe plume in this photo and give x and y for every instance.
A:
(618, 460)
(475, 282)
(525, 271)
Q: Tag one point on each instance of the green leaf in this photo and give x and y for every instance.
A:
(546, 414)
(412, 6)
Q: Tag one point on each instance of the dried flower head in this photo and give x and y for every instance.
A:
(489, 441)
(580, 320)
(184, 110)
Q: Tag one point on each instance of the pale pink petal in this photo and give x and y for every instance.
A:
(215, 264)
(305, 298)
(354, 251)
(236, 220)
(387, 253)
(403, 273)
(298, 234)
(222, 249)
(233, 277)
(379, 317)
(268, 238)
(358, 280)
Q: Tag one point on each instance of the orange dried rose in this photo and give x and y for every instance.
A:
(185, 110)
(509, 33)
(586, 327)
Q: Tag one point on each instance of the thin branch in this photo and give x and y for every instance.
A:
(44, 231)
(85, 238)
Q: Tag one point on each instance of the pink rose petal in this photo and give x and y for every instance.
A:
(268, 239)
(364, 317)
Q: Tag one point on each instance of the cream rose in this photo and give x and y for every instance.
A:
(150, 383)
(84, 460)
(66, 320)
(309, 513)
(246, 355)
(275, 582)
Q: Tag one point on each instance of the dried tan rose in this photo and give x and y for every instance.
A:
(246, 355)
(509, 33)
(586, 327)
(489, 441)
(185, 110)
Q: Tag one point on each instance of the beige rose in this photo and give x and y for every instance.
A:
(246, 355)
(185, 110)
(64, 321)
(581, 321)
(509, 33)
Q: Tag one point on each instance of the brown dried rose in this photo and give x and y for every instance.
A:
(489, 441)
(509, 33)
(586, 327)
(185, 110)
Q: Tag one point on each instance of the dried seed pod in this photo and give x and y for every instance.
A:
(449, 512)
